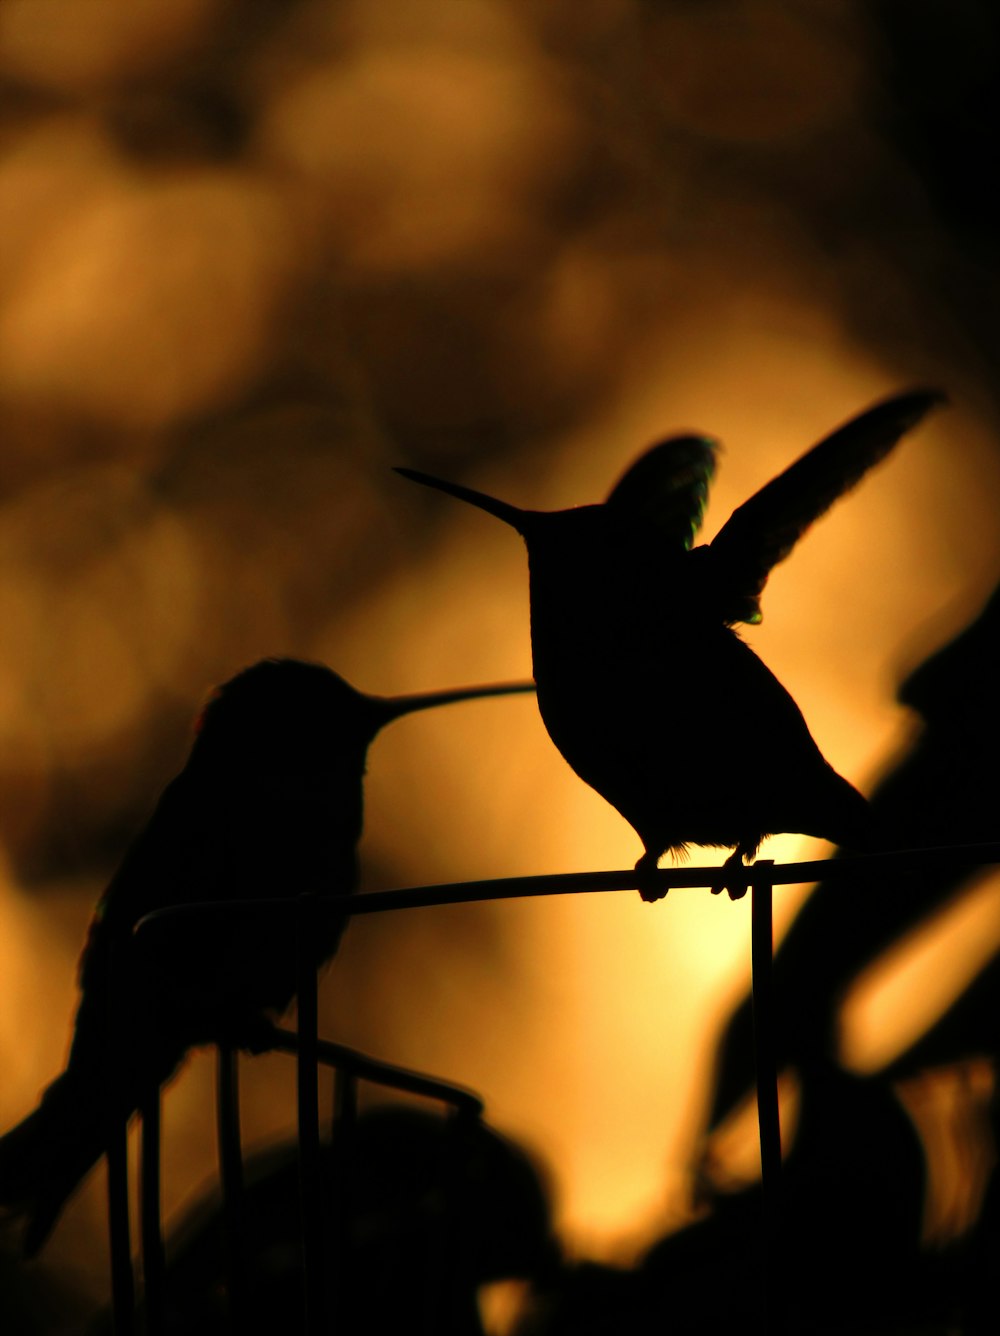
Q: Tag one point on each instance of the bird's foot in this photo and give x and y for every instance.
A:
(736, 886)
(648, 887)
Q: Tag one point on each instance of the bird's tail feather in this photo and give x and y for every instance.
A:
(46, 1155)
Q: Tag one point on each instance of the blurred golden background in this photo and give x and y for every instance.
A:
(252, 255)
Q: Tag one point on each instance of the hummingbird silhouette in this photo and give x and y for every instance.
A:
(269, 803)
(643, 683)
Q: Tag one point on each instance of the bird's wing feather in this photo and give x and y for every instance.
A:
(763, 531)
(668, 487)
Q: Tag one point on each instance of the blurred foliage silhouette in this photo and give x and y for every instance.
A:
(251, 256)
(944, 790)
(433, 1210)
(851, 1201)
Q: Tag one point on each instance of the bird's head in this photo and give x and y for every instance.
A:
(285, 715)
(661, 497)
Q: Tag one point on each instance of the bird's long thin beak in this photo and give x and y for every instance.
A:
(384, 709)
(503, 510)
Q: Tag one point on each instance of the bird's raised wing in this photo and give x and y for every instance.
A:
(763, 531)
(667, 487)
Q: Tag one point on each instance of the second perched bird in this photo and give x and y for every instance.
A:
(643, 684)
(269, 804)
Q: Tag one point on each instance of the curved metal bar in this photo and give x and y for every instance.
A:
(896, 863)
(382, 1073)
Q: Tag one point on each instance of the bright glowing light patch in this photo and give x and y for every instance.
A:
(903, 993)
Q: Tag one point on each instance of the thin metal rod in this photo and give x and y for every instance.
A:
(345, 1115)
(116, 1152)
(893, 863)
(310, 1171)
(122, 1280)
(768, 1116)
(153, 1265)
(233, 1190)
(349, 1060)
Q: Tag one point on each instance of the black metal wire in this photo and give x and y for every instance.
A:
(768, 1113)
(342, 1136)
(119, 1233)
(310, 1171)
(895, 863)
(122, 1281)
(310, 1051)
(153, 1264)
(385, 1074)
(233, 1190)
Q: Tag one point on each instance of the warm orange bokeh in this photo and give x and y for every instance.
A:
(441, 235)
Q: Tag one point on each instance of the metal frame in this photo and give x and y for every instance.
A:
(321, 1271)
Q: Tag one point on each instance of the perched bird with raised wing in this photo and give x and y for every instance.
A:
(643, 683)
